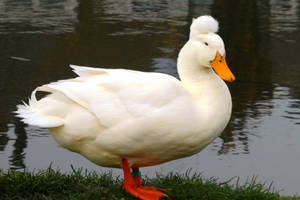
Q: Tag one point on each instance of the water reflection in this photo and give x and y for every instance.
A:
(18, 155)
(260, 37)
(283, 16)
(156, 11)
(34, 16)
(245, 47)
(3, 141)
(19, 144)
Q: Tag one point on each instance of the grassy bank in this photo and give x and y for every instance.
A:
(52, 184)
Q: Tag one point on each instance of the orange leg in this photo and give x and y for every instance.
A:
(138, 179)
(136, 176)
(133, 185)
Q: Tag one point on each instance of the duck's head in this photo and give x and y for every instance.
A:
(208, 47)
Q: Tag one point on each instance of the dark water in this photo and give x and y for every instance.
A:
(38, 40)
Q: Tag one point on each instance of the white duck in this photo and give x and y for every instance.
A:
(124, 118)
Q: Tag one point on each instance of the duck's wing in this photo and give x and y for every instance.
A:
(115, 95)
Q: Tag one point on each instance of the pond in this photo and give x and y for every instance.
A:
(39, 39)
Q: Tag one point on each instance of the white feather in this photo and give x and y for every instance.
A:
(31, 114)
(203, 25)
(87, 71)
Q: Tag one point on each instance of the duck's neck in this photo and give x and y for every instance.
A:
(195, 77)
(209, 91)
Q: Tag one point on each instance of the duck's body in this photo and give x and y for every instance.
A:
(160, 120)
(109, 115)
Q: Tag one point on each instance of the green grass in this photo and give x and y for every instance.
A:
(52, 184)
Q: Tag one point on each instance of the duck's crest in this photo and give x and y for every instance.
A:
(204, 24)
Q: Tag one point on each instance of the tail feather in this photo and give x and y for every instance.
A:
(88, 71)
(31, 114)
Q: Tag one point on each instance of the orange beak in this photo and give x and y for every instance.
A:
(220, 66)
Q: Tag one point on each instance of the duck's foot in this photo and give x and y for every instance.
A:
(138, 181)
(132, 184)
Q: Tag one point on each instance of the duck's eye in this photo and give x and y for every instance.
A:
(206, 43)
